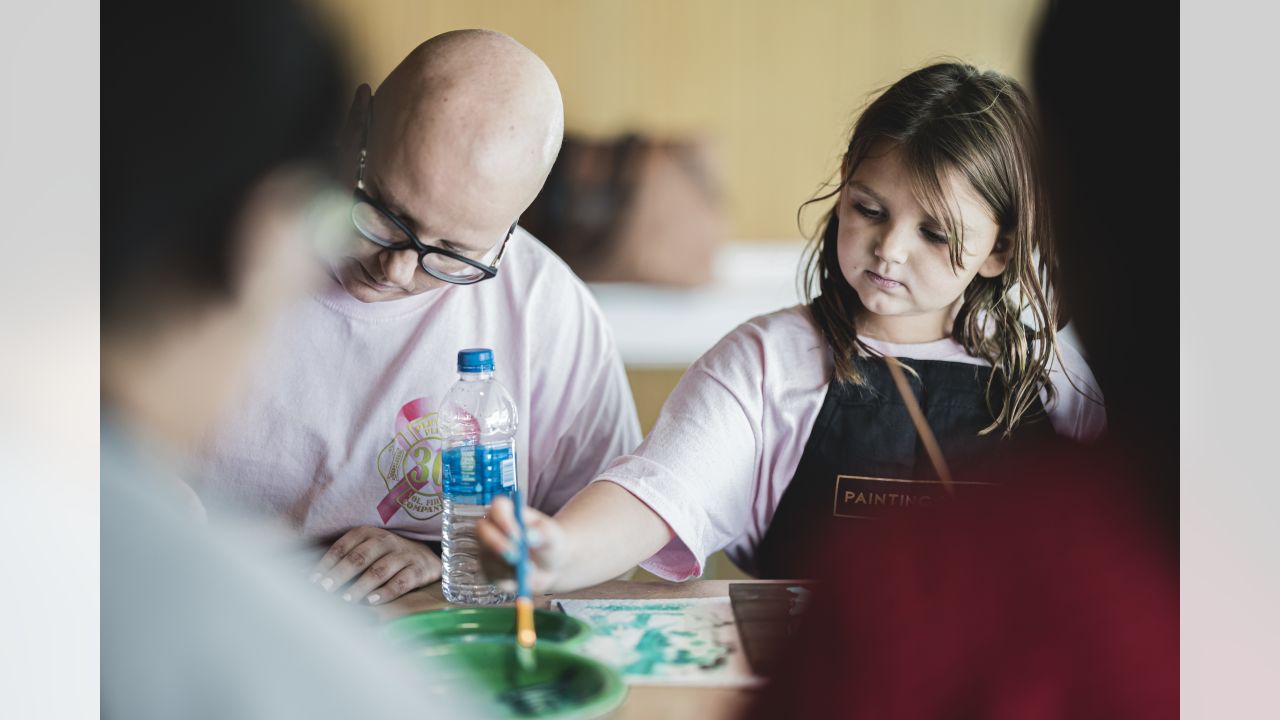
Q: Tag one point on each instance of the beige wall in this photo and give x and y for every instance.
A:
(777, 83)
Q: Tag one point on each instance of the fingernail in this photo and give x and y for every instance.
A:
(374, 598)
(535, 537)
(315, 577)
(327, 583)
(346, 597)
(511, 556)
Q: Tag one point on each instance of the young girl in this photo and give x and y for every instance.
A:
(792, 421)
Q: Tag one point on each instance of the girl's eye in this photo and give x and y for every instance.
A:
(867, 212)
(933, 236)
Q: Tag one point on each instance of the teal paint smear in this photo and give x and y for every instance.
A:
(654, 650)
(651, 648)
(646, 607)
(662, 650)
(653, 641)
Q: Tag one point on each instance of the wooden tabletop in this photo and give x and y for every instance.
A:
(643, 701)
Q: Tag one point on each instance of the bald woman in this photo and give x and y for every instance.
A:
(336, 433)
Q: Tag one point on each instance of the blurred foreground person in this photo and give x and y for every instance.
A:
(1056, 597)
(207, 189)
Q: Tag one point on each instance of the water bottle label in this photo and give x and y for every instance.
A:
(475, 474)
(509, 474)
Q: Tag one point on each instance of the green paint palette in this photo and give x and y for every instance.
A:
(561, 685)
(465, 625)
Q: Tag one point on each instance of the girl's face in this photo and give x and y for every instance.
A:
(896, 256)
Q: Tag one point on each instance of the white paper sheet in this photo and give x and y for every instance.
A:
(686, 641)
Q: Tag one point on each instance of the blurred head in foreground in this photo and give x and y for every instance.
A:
(1102, 165)
(210, 172)
(211, 177)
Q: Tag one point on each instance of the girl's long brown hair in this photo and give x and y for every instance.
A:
(942, 118)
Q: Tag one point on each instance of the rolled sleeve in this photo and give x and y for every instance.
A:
(696, 469)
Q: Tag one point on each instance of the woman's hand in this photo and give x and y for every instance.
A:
(388, 566)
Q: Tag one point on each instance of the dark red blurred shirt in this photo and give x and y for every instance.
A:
(1056, 597)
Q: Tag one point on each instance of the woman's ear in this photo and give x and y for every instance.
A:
(349, 138)
(998, 260)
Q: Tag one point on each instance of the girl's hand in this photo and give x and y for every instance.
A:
(549, 546)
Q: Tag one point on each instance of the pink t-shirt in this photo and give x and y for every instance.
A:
(730, 437)
(340, 429)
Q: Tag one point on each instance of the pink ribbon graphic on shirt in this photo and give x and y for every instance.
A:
(412, 481)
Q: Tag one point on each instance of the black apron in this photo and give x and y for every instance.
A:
(864, 459)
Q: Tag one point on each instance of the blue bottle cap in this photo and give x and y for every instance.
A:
(475, 360)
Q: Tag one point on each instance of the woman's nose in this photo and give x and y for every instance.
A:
(399, 267)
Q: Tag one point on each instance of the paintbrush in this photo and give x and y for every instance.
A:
(526, 637)
(931, 447)
(529, 696)
(530, 693)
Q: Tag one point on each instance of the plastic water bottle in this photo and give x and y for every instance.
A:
(478, 421)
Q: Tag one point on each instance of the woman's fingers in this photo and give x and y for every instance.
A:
(378, 573)
(355, 562)
(412, 577)
(336, 552)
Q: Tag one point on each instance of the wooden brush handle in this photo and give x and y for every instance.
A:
(525, 635)
(917, 418)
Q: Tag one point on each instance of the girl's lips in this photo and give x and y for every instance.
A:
(883, 282)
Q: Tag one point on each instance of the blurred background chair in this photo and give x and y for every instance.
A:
(633, 209)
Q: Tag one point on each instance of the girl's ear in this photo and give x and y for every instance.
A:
(998, 260)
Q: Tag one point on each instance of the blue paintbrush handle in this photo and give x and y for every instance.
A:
(522, 561)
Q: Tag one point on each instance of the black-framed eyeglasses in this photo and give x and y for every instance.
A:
(381, 227)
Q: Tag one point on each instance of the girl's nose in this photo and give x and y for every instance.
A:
(399, 267)
(894, 245)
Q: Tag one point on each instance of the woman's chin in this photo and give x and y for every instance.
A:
(362, 291)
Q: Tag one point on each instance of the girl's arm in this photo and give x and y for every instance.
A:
(688, 489)
(599, 534)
